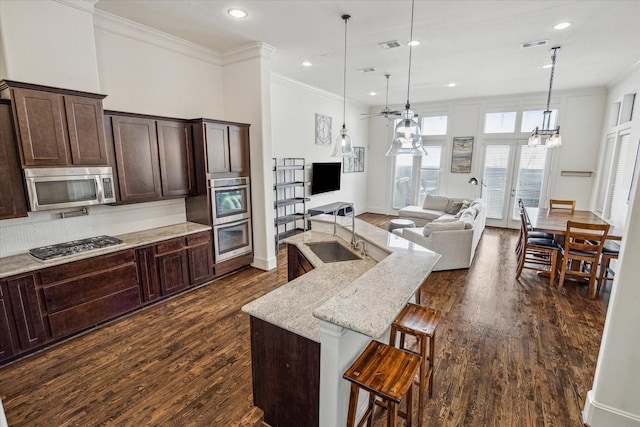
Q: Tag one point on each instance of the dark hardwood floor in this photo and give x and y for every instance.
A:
(508, 353)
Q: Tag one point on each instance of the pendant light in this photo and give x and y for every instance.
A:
(343, 147)
(554, 140)
(407, 138)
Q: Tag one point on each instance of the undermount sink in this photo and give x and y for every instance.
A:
(331, 252)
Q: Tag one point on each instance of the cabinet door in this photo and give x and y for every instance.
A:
(41, 128)
(297, 264)
(148, 271)
(86, 130)
(7, 345)
(12, 198)
(217, 137)
(173, 272)
(136, 150)
(176, 158)
(27, 311)
(239, 150)
(200, 257)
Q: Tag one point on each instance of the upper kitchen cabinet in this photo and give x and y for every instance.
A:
(223, 148)
(12, 198)
(57, 127)
(153, 157)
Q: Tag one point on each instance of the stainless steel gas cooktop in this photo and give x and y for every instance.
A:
(46, 253)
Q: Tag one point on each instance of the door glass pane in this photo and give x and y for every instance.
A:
(430, 173)
(530, 176)
(533, 119)
(495, 173)
(402, 181)
(500, 122)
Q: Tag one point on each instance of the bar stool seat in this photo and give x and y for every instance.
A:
(420, 322)
(385, 372)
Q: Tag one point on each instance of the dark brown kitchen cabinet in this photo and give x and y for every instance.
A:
(8, 345)
(176, 158)
(173, 268)
(12, 197)
(148, 273)
(57, 127)
(223, 148)
(84, 293)
(297, 263)
(27, 309)
(137, 161)
(200, 257)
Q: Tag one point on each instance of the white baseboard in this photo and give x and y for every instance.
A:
(599, 415)
(264, 264)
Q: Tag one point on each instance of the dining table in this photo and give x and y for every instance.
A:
(555, 221)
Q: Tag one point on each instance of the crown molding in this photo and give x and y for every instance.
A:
(110, 23)
(288, 81)
(83, 5)
(247, 53)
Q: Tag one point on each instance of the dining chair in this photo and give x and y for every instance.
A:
(562, 204)
(580, 254)
(531, 233)
(536, 253)
(610, 250)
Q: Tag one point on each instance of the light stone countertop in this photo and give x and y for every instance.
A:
(364, 295)
(24, 263)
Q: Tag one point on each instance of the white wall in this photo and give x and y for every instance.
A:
(613, 400)
(293, 110)
(581, 115)
(49, 43)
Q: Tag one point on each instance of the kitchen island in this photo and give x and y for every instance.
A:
(307, 332)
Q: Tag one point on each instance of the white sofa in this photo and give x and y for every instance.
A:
(453, 235)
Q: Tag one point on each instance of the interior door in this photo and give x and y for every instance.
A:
(512, 170)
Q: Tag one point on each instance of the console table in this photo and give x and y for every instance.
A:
(330, 209)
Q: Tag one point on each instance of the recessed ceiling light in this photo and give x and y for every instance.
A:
(237, 13)
(451, 84)
(413, 43)
(547, 66)
(372, 93)
(307, 64)
(562, 25)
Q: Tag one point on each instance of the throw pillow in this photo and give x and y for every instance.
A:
(435, 203)
(453, 207)
(465, 206)
(441, 226)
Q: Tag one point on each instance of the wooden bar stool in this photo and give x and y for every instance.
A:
(385, 372)
(420, 322)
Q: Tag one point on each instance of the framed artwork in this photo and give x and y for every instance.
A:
(354, 164)
(323, 129)
(461, 154)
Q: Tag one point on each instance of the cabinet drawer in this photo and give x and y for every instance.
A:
(76, 318)
(78, 291)
(170, 246)
(196, 239)
(88, 266)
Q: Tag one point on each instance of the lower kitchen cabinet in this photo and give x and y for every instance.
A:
(148, 273)
(8, 346)
(173, 268)
(27, 311)
(200, 257)
(297, 264)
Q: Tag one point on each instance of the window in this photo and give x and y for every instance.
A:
(402, 186)
(430, 172)
(436, 125)
(618, 206)
(533, 119)
(417, 176)
(500, 122)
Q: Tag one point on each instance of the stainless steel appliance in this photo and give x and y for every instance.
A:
(232, 239)
(55, 188)
(46, 253)
(230, 199)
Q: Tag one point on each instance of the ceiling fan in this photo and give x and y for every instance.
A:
(385, 112)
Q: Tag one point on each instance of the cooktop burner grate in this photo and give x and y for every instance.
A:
(46, 253)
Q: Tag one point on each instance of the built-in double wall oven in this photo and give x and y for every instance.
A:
(231, 213)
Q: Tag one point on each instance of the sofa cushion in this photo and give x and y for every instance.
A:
(468, 222)
(453, 207)
(446, 218)
(441, 226)
(436, 203)
(418, 212)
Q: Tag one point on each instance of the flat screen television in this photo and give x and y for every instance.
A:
(325, 177)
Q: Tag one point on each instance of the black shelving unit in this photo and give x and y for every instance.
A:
(290, 197)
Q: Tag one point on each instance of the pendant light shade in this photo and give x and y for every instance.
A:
(407, 138)
(554, 140)
(343, 147)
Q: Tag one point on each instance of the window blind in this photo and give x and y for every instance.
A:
(618, 205)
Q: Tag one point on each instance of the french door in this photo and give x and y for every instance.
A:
(512, 170)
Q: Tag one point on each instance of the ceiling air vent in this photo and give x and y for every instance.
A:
(536, 43)
(366, 70)
(390, 44)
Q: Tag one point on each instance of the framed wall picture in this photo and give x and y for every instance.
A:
(461, 154)
(323, 129)
(354, 164)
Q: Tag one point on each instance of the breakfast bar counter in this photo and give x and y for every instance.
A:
(334, 310)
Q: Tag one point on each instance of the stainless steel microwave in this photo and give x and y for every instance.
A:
(56, 188)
